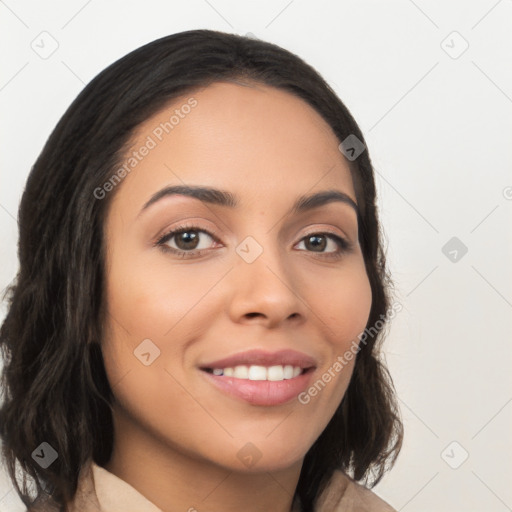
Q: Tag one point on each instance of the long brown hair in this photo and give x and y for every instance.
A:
(54, 382)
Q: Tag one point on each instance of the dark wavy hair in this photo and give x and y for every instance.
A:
(54, 383)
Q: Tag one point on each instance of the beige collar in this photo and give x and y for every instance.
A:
(101, 491)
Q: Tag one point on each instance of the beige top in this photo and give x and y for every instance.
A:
(100, 490)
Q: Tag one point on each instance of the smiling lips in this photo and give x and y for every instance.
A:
(261, 378)
(263, 358)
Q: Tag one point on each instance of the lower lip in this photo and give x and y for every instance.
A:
(261, 392)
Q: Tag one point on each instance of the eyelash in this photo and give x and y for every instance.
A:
(343, 244)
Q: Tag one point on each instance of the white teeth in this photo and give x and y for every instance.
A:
(241, 372)
(275, 373)
(288, 371)
(256, 372)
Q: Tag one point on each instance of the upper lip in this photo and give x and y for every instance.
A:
(263, 358)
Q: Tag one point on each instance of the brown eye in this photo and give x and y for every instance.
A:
(186, 240)
(318, 242)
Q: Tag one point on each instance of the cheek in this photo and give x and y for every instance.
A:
(151, 302)
(148, 300)
(343, 303)
(152, 397)
(146, 310)
(343, 308)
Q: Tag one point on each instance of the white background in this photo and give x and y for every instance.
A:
(439, 132)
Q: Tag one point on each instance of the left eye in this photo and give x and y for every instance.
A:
(320, 241)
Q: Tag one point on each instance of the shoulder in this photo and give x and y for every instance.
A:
(344, 494)
(84, 499)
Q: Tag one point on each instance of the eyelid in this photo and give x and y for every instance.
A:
(318, 228)
(184, 225)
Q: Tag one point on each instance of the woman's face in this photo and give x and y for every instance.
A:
(253, 278)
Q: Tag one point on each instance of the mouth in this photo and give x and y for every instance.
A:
(261, 378)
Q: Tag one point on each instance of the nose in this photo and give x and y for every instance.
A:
(265, 291)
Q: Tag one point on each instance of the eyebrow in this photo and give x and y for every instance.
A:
(225, 198)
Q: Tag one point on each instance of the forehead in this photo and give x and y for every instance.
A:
(258, 140)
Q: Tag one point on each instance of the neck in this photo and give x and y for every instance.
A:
(176, 481)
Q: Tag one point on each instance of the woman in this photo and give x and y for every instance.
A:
(201, 292)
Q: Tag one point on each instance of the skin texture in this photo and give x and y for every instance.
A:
(176, 435)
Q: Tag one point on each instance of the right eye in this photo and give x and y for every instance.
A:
(186, 239)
